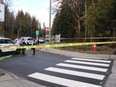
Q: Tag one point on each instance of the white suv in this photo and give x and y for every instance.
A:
(27, 40)
(6, 43)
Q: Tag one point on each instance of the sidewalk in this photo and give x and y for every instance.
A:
(8, 79)
(77, 54)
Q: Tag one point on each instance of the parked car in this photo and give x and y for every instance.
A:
(41, 40)
(46, 38)
(6, 43)
(17, 41)
(27, 40)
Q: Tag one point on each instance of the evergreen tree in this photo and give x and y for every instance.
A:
(63, 23)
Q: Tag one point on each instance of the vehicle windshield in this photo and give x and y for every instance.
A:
(6, 41)
(30, 39)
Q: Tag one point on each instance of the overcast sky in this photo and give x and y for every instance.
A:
(37, 8)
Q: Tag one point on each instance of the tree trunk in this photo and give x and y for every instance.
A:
(1, 29)
(85, 16)
(79, 26)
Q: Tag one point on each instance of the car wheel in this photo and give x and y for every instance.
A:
(18, 51)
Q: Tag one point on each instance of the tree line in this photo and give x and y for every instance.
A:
(73, 19)
(85, 19)
(21, 24)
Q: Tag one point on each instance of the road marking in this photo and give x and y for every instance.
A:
(82, 67)
(84, 78)
(61, 81)
(76, 73)
(87, 63)
(92, 60)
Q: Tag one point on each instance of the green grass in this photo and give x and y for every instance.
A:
(88, 49)
(5, 57)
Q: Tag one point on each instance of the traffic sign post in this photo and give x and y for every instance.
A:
(37, 33)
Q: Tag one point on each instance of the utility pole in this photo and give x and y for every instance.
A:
(50, 22)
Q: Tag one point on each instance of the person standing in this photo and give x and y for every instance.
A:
(33, 49)
(22, 43)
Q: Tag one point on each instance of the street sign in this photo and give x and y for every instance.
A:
(37, 33)
(2, 7)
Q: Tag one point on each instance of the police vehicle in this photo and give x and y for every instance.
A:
(6, 43)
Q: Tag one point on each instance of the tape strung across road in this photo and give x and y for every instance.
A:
(90, 38)
(58, 45)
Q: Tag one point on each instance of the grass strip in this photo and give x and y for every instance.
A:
(5, 57)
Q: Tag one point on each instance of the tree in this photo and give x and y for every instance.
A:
(63, 23)
(105, 14)
(75, 10)
(76, 13)
(22, 25)
(11, 26)
(25, 25)
(19, 24)
(89, 18)
(7, 27)
(34, 26)
(113, 18)
(98, 17)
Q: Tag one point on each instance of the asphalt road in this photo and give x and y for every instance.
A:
(57, 71)
(23, 65)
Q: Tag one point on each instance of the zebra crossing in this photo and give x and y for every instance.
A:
(76, 72)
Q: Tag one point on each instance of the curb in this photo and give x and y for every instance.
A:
(5, 57)
(2, 73)
(2, 58)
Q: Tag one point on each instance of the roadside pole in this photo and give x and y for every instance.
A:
(46, 35)
(50, 22)
(37, 34)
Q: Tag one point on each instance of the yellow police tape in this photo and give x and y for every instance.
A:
(90, 38)
(57, 45)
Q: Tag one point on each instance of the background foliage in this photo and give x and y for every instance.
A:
(86, 18)
(73, 19)
(21, 24)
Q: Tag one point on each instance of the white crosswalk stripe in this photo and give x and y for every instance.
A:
(102, 61)
(83, 67)
(76, 72)
(61, 81)
(87, 63)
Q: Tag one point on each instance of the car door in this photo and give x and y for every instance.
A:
(6, 43)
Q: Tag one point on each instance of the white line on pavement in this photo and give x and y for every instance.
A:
(82, 67)
(76, 73)
(87, 63)
(93, 60)
(61, 81)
